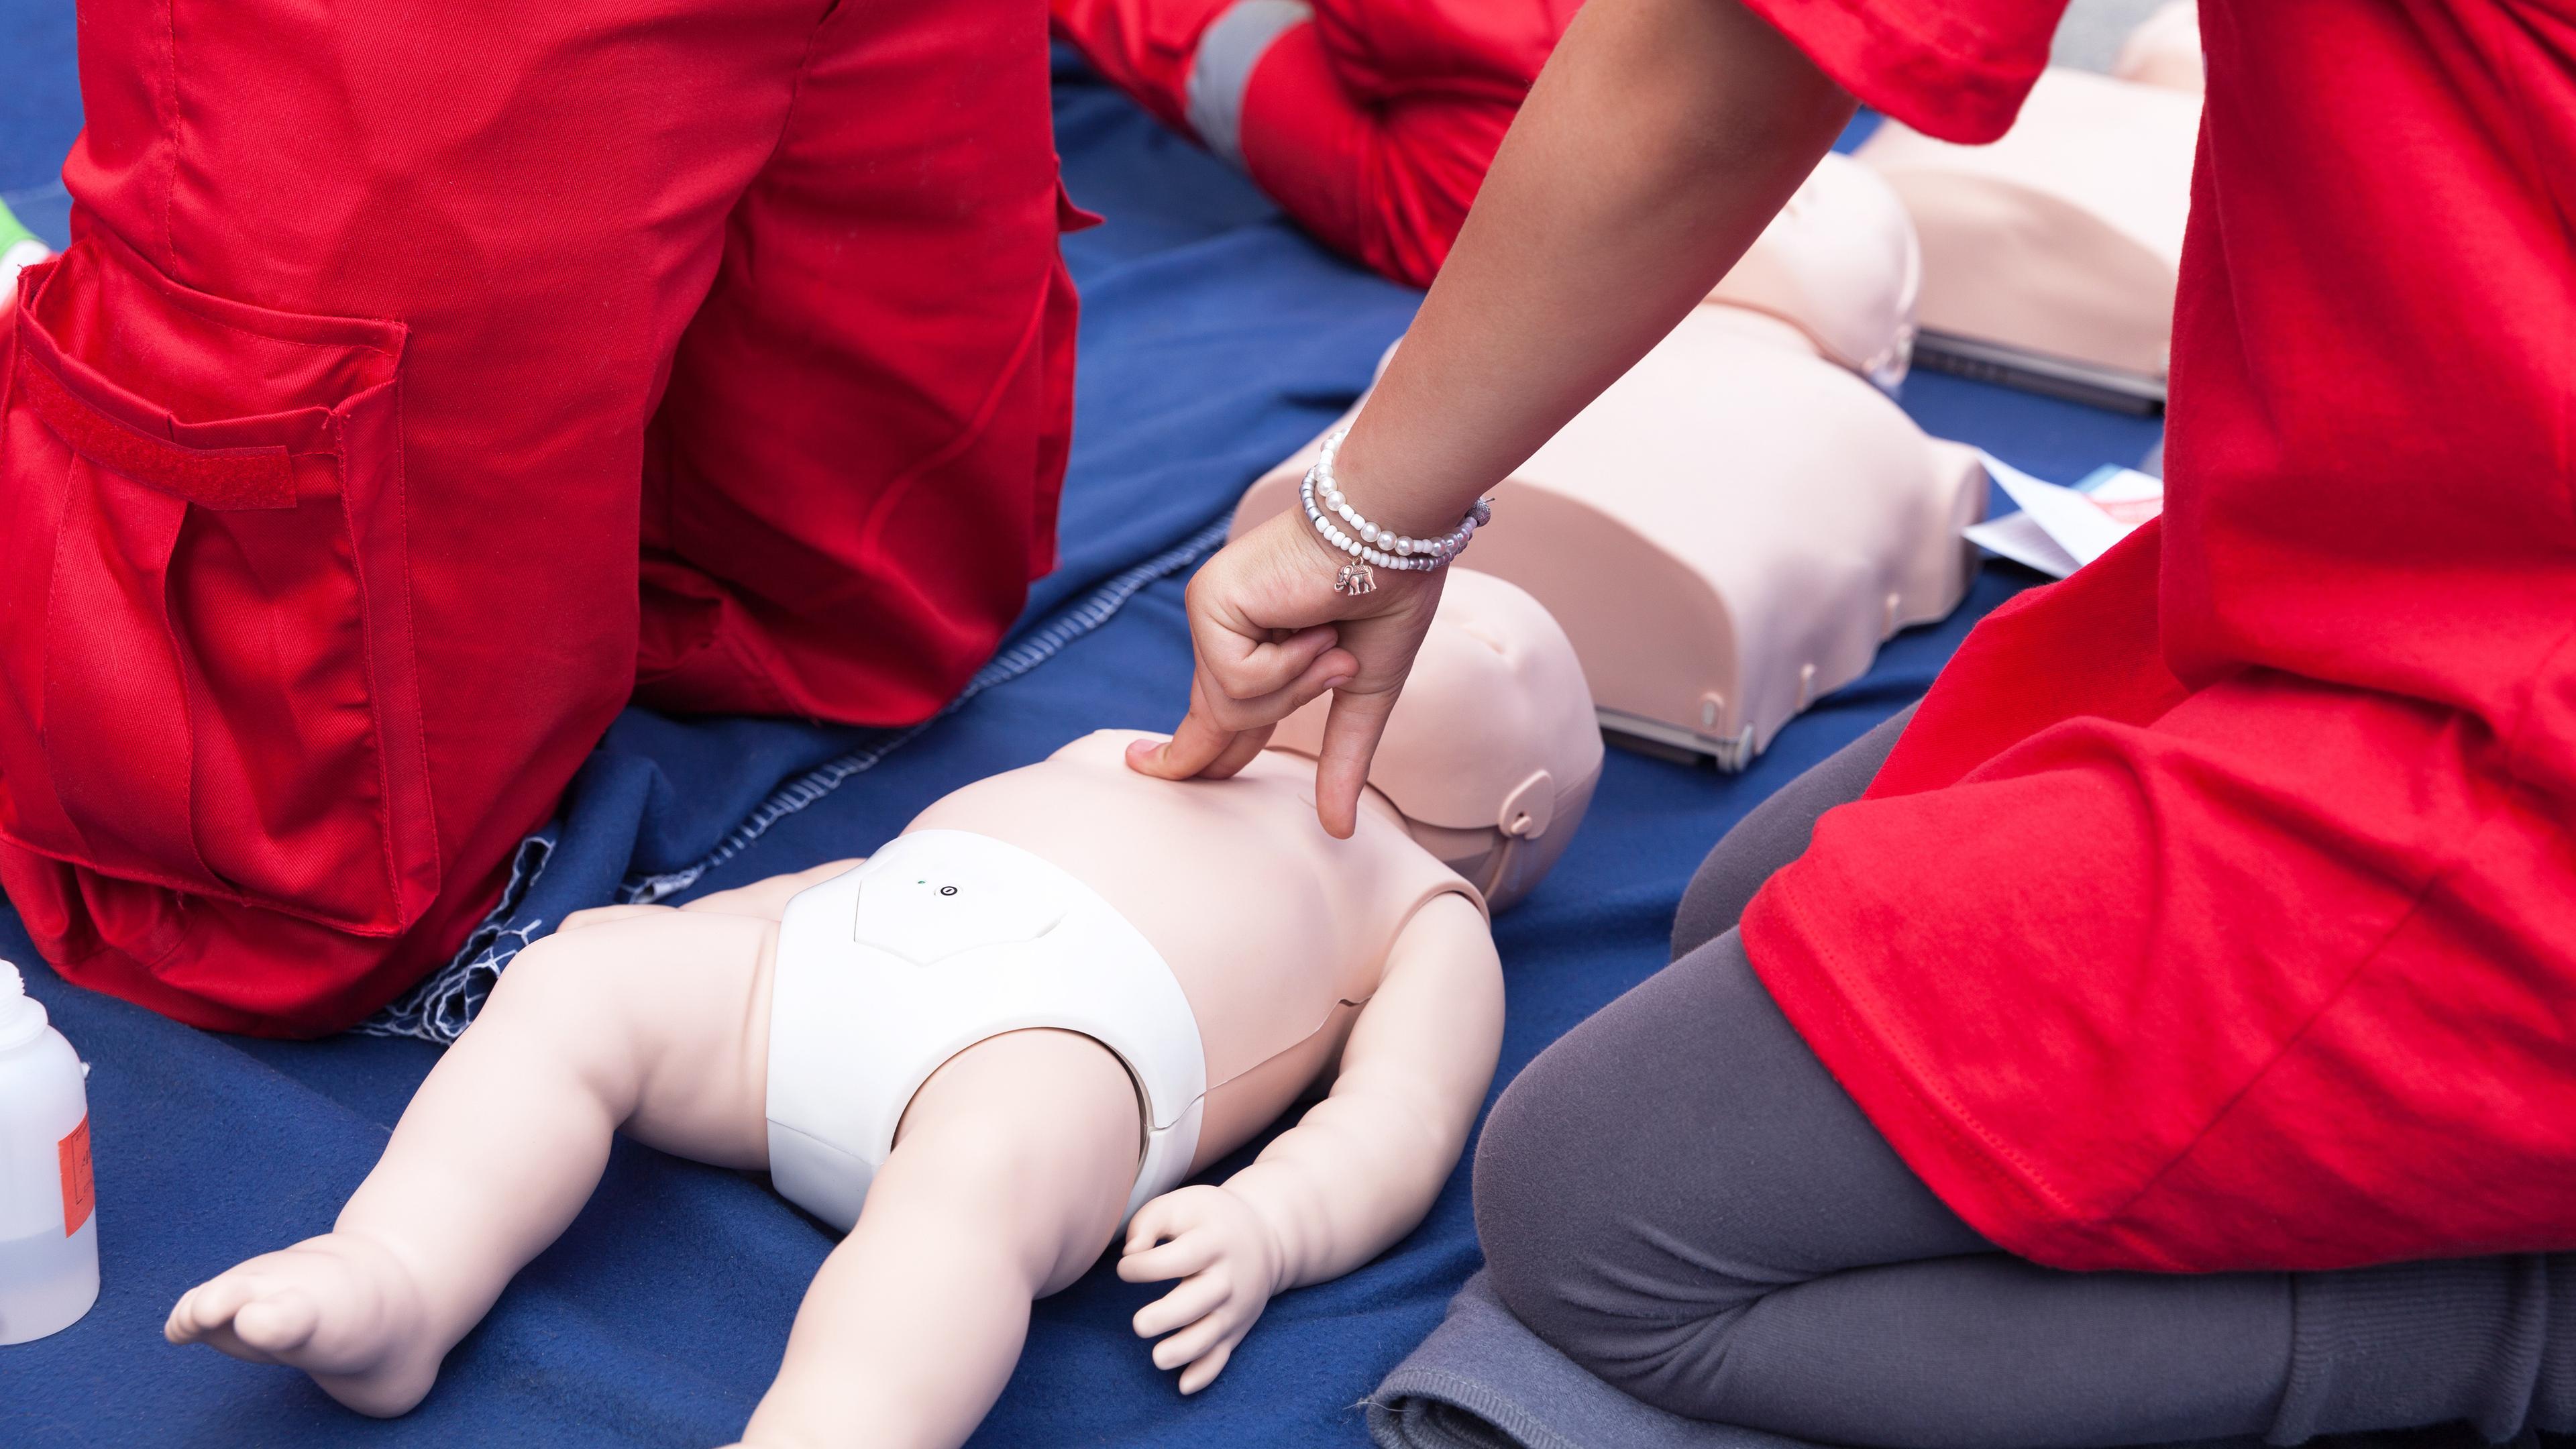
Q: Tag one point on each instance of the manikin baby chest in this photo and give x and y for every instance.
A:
(943, 939)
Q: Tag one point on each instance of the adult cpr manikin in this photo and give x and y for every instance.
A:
(2049, 256)
(1731, 530)
(1057, 994)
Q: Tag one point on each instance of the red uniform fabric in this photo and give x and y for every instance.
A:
(424, 380)
(2218, 910)
(1372, 124)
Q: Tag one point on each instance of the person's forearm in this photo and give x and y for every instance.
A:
(1659, 141)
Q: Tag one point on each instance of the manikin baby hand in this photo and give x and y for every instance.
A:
(1229, 1263)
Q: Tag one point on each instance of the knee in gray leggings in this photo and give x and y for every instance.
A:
(1571, 1206)
(1668, 1163)
(1556, 1193)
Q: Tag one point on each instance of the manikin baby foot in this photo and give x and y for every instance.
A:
(339, 1307)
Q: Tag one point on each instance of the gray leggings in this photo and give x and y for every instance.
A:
(1678, 1196)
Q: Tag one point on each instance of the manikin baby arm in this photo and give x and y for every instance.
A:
(1355, 1174)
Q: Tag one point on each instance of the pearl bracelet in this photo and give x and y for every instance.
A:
(1366, 543)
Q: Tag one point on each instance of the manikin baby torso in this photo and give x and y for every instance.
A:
(1275, 931)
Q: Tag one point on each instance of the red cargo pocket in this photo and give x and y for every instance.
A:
(206, 672)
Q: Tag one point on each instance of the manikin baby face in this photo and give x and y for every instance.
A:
(1492, 753)
(1839, 263)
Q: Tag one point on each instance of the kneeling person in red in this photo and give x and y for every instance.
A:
(2169, 1031)
(416, 392)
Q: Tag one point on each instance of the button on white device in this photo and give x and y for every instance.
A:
(954, 908)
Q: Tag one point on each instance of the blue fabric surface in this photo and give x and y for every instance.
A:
(39, 113)
(1215, 340)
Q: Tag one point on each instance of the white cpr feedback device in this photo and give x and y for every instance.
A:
(943, 939)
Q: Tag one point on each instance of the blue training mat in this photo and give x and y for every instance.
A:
(1215, 340)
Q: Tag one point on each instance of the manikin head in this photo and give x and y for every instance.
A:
(1840, 264)
(1491, 756)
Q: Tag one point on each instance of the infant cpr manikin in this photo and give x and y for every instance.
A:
(2049, 256)
(1058, 993)
(1731, 530)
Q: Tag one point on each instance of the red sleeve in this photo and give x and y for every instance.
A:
(1955, 69)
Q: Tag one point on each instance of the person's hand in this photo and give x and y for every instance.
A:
(1270, 634)
(1228, 1261)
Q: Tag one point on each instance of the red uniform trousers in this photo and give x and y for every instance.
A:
(1371, 122)
(425, 380)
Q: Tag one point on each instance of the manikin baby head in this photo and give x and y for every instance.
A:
(1492, 754)
(1841, 265)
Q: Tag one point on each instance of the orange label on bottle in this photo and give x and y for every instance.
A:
(79, 1196)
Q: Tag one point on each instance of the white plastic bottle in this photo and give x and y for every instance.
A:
(48, 1220)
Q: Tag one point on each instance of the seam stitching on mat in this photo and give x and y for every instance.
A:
(441, 1007)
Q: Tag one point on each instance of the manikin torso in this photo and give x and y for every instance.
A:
(1825, 518)
(1276, 932)
(2063, 238)
(1731, 529)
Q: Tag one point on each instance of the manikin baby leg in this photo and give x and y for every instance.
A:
(1007, 1179)
(655, 1022)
